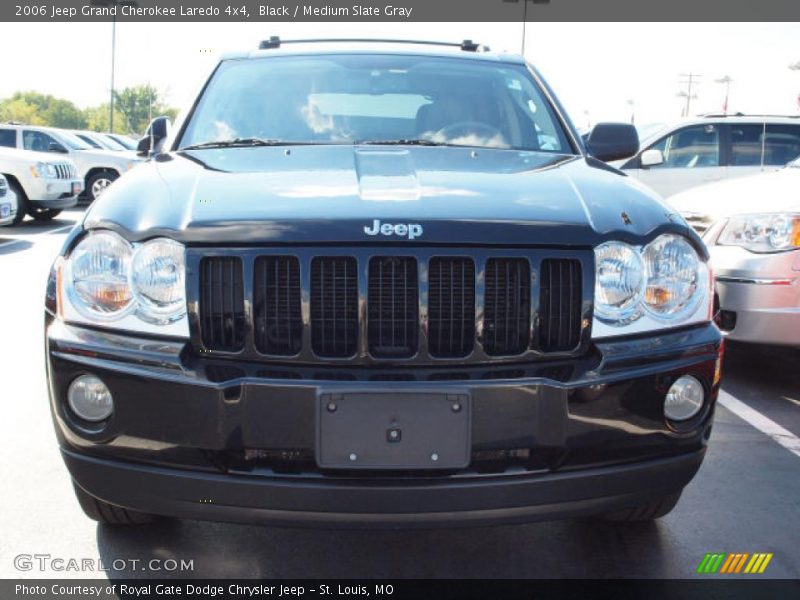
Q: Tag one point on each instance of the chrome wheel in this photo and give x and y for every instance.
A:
(99, 186)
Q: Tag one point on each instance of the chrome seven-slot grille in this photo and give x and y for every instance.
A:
(421, 304)
(65, 171)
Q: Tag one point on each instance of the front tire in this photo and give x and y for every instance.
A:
(97, 184)
(103, 512)
(22, 202)
(649, 511)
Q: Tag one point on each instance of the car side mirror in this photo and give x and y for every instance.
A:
(613, 141)
(143, 146)
(651, 158)
(55, 147)
(154, 137)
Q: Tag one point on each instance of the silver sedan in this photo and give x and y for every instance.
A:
(752, 229)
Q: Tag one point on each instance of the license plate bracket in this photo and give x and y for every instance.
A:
(393, 430)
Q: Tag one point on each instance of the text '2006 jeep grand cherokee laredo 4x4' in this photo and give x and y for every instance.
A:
(380, 284)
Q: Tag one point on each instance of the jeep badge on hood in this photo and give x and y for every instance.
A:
(410, 230)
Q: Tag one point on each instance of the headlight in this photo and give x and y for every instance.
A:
(672, 276)
(642, 289)
(157, 281)
(618, 283)
(138, 287)
(97, 276)
(44, 170)
(762, 232)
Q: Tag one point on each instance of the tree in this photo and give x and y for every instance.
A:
(132, 112)
(42, 109)
(19, 111)
(138, 105)
(97, 119)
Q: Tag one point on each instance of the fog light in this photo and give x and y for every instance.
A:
(684, 399)
(90, 399)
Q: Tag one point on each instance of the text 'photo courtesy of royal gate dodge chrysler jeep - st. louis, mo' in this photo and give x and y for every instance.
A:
(380, 284)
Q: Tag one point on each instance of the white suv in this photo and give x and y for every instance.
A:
(711, 148)
(97, 168)
(42, 183)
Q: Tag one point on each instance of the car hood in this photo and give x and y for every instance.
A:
(104, 156)
(775, 191)
(330, 194)
(30, 155)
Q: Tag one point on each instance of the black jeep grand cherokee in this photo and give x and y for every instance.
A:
(380, 284)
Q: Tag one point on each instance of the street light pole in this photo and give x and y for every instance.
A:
(726, 79)
(115, 4)
(113, 62)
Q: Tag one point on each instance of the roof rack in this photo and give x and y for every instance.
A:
(718, 115)
(276, 42)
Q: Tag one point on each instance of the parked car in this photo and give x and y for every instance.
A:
(712, 148)
(97, 168)
(43, 184)
(127, 142)
(752, 229)
(397, 293)
(100, 141)
(8, 203)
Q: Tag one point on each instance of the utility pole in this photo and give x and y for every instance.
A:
(726, 79)
(525, 16)
(689, 80)
(632, 104)
(113, 4)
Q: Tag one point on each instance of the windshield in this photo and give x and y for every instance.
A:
(344, 99)
(648, 130)
(109, 143)
(89, 141)
(73, 141)
(124, 142)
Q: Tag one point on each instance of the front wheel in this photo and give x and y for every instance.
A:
(103, 512)
(648, 511)
(44, 214)
(22, 202)
(98, 183)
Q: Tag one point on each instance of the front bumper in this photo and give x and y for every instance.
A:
(453, 502)
(54, 193)
(194, 438)
(759, 294)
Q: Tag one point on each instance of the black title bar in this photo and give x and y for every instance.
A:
(399, 10)
(410, 589)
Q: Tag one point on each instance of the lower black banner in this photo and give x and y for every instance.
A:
(408, 589)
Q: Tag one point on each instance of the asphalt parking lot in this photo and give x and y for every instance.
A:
(746, 497)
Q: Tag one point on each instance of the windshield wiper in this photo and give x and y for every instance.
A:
(402, 142)
(243, 143)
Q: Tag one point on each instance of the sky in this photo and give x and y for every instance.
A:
(600, 71)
